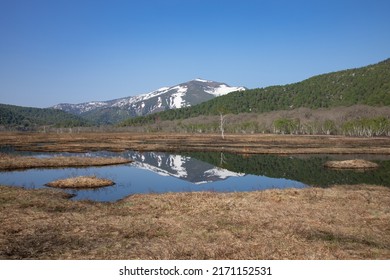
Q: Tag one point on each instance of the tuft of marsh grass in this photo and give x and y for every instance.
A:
(81, 182)
(351, 164)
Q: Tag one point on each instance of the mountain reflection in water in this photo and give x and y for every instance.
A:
(154, 172)
(150, 172)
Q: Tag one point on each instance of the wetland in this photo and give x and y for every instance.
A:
(249, 197)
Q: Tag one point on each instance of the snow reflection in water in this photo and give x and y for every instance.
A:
(149, 173)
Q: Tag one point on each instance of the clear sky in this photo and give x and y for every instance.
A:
(54, 51)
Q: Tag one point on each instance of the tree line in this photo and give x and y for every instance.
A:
(365, 127)
(358, 120)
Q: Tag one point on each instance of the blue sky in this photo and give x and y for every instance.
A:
(54, 51)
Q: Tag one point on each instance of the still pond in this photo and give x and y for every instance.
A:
(154, 172)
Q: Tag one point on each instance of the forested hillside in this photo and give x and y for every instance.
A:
(368, 85)
(28, 118)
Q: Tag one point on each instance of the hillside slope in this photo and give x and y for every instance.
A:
(27, 117)
(368, 85)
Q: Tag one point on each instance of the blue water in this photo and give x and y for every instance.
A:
(142, 177)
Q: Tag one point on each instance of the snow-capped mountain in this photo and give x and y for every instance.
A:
(178, 96)
(182, 167)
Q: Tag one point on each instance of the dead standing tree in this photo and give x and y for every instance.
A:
(222, 116)
(222, 124)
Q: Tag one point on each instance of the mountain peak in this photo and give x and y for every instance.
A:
(182, 95)
(202, 80)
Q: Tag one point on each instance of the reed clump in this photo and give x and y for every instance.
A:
(81, 182)
(351, 164)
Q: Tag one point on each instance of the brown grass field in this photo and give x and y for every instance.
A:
(342, 222)
(170, 142)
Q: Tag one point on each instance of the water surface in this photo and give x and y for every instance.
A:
(153, 172)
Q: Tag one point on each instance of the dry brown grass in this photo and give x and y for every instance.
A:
(236, 143)
(9, 162)
(81, 182)
(351, 164)
(342, 222)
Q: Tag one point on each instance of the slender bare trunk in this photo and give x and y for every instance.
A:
(221, 125)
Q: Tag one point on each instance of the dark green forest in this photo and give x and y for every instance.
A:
(368, 85)
(26, 118)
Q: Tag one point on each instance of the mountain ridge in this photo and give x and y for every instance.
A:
(174, 97)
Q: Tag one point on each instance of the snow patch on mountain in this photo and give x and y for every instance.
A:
(222, 90)
(203, 81)
(139, 98)
(159, 102)
(176, 100)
